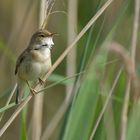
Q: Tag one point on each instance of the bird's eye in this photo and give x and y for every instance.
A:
(36, 48)
(42, 35)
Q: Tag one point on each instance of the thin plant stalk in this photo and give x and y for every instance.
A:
(71, 57)
(105, 105)
(123, 123)
(38, 100)
(9, 99)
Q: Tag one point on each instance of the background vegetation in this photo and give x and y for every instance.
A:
(93, 93)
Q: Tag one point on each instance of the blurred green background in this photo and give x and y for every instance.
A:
(19, 20)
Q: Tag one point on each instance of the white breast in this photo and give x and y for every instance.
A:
(45, 52)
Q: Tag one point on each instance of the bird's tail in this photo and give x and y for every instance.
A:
(20, 92)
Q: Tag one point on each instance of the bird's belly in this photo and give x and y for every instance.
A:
(32, 71)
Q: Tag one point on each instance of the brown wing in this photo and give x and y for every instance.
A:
(19, 61)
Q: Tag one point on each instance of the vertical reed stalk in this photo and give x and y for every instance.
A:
(38, 100)
(72, 29)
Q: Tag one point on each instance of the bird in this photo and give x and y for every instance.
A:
(34, 62)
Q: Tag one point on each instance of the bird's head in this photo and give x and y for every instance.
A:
(41, 39)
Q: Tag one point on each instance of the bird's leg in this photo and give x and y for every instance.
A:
(41, 81)
(33, 91)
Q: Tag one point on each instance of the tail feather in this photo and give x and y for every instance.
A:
(19, 93)
(17, 96)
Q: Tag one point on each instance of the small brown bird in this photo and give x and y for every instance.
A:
(34, 62)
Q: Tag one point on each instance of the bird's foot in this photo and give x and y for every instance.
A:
(41, 81)
(33, 91)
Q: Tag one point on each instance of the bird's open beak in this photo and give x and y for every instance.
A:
(54, 34)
